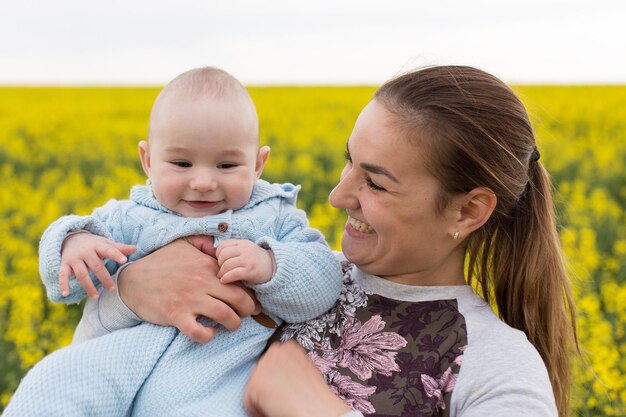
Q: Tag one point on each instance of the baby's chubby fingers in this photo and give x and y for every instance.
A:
(226, 250)
(82, 276)
(65, 272)
(229, 264)
(96, 266)
(115, 251)
(111, 250)
(234, 275)
(243, 260)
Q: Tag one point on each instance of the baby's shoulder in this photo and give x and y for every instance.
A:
(265, 192)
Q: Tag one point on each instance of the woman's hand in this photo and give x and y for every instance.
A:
(178, 283)
(285, 383)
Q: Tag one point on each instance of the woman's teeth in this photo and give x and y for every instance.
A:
(360, 226)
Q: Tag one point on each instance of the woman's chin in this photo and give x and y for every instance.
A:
(357, 246)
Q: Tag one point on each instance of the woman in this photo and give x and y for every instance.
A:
(441, 168)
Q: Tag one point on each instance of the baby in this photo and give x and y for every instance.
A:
(204, 162)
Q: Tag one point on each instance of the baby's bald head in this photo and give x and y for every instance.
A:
(203, 144)
(204, 84)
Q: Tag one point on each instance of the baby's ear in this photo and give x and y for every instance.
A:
(261, 159)
(144, 156)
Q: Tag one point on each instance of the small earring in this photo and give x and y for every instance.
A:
(456, 235)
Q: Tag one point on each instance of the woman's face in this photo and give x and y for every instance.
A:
(394, 229)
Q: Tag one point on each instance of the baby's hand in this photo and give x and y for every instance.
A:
(84, 252)
(242, 260)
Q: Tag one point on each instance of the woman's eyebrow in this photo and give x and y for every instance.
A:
(377, 169)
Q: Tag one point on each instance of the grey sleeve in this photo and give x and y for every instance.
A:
(104, 315)
(502, 374)
(352, 413)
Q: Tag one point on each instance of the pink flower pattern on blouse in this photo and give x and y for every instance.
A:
(354, 394)
(437, 387)
(377, 352)
(365, 348)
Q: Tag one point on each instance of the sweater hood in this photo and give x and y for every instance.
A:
(262, 191)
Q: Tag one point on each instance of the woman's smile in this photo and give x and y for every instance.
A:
(394, 228)
(359, 226)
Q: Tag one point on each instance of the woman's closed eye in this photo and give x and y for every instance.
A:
(368, 180)
(373, 185)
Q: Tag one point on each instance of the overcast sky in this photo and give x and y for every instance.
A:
(148, 42)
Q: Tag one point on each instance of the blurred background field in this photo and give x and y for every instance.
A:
(68, 150)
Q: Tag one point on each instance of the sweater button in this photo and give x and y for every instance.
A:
(222, 227)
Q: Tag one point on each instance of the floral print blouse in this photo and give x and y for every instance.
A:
(386, 357)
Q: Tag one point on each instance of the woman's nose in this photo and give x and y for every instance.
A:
(343, 195)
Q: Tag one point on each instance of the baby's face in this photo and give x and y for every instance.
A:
(203, 157)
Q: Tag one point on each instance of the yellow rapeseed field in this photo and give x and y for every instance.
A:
(69, 150)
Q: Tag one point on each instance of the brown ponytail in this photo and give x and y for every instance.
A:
(478, 135)
(523, 263)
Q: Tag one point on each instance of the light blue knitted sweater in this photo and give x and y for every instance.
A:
(150, 370)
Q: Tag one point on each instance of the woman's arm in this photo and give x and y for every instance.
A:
(285, 383)
(177, 284)
(173, 286)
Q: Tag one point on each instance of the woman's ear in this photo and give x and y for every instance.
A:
(144, 156)
(261, 159)
(476, 208)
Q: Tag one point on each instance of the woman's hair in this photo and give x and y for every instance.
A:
(477, 133)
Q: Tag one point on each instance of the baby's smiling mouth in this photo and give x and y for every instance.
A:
(201, 204)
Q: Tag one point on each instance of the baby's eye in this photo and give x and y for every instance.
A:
(227, 165)
(182, 164)
(346, 155)
(373, 185)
